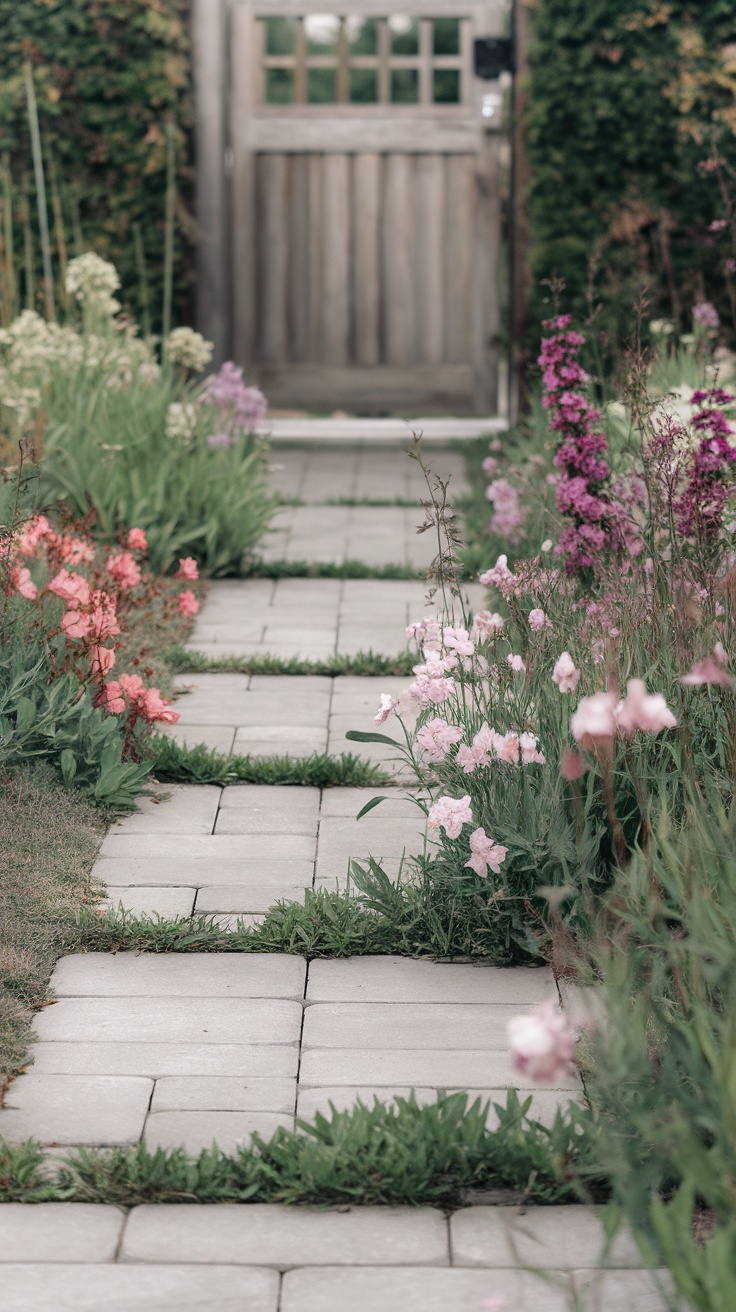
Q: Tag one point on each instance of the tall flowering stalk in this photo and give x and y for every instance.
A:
(582, 492)
(709, 481)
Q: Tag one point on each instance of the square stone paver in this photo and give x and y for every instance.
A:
(285, 1236)
(69, 1109)
(181, 872)
(172, 809)
(253, 808)
(59, 1232)
(196, 1131)
(35, 1287)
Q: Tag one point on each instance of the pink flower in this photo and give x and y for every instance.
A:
(75, 551)
(387, 707)
(565, 675)
(516, 663)
(485, 853)
(530, 753)
(594, 718)
(542, 1043)
(489, 464)
(114, 700)
(124, 570)
(21, 580)
(76, 624)
(70, 587)
(450, 814)
(103, 659)
(507, 747)
(458, 640)
(709, 670)
(426, 633)
(436, 737)
(643, 710)
(494, 1304)
(30, 535)
(187, 603)
(537, 620)
(137, 540)
(502, 576)
(487, 625)
(103, 619)
(427, 690)
(132, 687)
(187, 569)
(154, 708)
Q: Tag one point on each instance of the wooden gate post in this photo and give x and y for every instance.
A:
(209, 21)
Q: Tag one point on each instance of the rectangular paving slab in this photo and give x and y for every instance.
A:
(197, 1131)
(171, 1019)
(59, 1232)
(159, 1059)
(208, 975)
(392, 1289)
(401, 979)
(389, 1025)
(562, 1237)
(69, 1109)
(62, 1287)
(443, 1068)
(223, 1093)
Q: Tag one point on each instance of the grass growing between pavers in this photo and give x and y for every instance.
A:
(50, 838)
(364, 664)
(324, 569)
(441, 1155)
(198, 765)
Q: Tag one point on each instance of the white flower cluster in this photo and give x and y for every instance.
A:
(92, 281)
(181, 422)
(30, 348)
(189, 349)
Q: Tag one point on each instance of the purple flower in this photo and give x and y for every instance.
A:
(706, 315)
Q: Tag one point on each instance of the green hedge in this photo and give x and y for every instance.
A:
(108, 76)
(619, 90)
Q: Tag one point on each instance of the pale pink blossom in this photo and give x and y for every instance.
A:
(594, 718)
(542, 1043)
(466, 758)
(537, 620)
(507, 747)
(643, 710)
(70, 587)
(21, 580)
(187, 603)
(387, 707)
(487, 624)
(709, 670)
(103, 659)
(530, 753)
(501, 575)
(565, 674)
(153, 707)
(103, 619)
(426, 690)
(486, 853)
(489, 464)
(458, 640)
(516, 663)
(187, 569)
(114, 700)
(27, 539)
(494, 1304)
(76, 624)
(137, 540)
(124, 570)
(450, 814)
(436, 737)
(425, 633)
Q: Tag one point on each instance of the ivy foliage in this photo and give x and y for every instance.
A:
(626, 97)
(109, 75)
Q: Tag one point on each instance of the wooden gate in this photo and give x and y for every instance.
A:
(365, 210)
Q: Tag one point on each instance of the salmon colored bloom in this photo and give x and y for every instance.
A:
(124, 570)
(565, 674)
(76, 624)
(21, 580)
(187, 603)
(153, 707)
(137, 540)
(187, 569)
(103, 659)
(114, 700)
(70, 587)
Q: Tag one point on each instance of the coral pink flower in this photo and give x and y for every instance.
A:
(21, 580)
(70, 587)
(450, 814)
(187, 569)
(542, 1043)
(486, 853)
(103, 659)
(565, 675)
(75, 551)
(103, 619)
(137, 540)
(124, 570)
(31, 533)
(487, 625)
(132, 687)
(387, 707)
(643, 710)
(594, 718)
(537, 620)
(76, 624)
(187, 603)
(114, 700)
(709, 670)
(516, 663)
(153, 707)
(436, 737)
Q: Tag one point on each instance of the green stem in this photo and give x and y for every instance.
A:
(43, 218)
(169, 222)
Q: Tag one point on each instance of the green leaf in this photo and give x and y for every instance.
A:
(357, 736)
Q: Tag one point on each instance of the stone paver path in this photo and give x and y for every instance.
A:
(189, 1049)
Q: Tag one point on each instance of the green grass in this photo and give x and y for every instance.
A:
(368, 664)
(50, 838)
(199, 765)
(319, 569)
(404, 503)
(438, 1155)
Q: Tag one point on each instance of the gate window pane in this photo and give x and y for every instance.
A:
(363, 36)
(322, 33)
(447, 36)
(280, 36)
(404, 35)
(279, 86)
(404, 86)
(363, 86)
(322, 86)
(447, 86)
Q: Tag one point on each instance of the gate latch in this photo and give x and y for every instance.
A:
(494, 55)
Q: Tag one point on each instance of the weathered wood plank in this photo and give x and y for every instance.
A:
(296, 128)
(273, 257)
(398, 279)
(366, 257)
(335, 259)
(371, 390)
(314, 292)
(487, 301)
(459, 257)
(429, 257)
(298, 285)
(244, 219)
